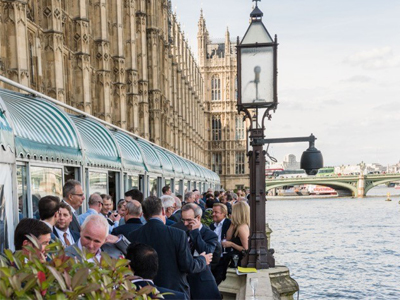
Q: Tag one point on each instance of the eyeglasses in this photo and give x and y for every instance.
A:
(80, 195)
(188, 220)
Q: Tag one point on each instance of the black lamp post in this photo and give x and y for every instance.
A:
(257, 89)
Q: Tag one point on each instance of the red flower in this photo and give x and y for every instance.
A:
(41, 276)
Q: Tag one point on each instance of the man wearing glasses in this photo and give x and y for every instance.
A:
(95, 206)
(201, 239)
(73, 196)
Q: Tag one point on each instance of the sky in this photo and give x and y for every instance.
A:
(338, 71)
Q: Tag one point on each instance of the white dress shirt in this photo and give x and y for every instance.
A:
(61, 236)
(218, 230)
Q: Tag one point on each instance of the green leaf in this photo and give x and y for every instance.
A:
(58, 277)
(34, 240)
(89, 288)
(122, 262)
(30, 284)
(67, 278)
(80, 277)
(38, 295)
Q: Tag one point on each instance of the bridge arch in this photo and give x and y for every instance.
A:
(371, 184)
(335, 185)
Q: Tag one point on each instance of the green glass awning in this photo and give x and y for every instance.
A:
(165, 161)
(151, 158)
(132, 158)
(42, 131)
(176, 162)
(99, 147)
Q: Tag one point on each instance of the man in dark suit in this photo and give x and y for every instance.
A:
(132, 219)
(48, 212)
(220, 227)
(144, 263)
(61, 229)
(174, 257)
(201, 239)
(73, 196)
(176, 216)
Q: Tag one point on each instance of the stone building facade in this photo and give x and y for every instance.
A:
(124, 61)
(226, 133)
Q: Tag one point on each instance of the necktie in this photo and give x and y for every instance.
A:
(66, 240)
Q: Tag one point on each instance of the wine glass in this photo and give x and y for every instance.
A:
(235, 260)
(253, 284)
(224, 240)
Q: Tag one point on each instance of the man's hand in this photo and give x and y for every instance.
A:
(115, 217)
(195, 224)
(112, 239)
(208, 257)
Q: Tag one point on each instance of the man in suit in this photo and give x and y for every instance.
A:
(132, 218)
(95, 205)
(144, 263)
(36, 228)
(220, 227)
(169, 206)
(201, 239)
(61, 229)
(177, 214)
(174, 257)
(95, 239)
(73, 196)
(48, 211)
(107, 211)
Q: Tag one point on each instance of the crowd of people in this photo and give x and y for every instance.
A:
(166, 239)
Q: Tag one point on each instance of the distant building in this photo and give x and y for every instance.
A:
(225, 129)
(290, 163)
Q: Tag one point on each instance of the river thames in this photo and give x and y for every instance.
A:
(340, 248)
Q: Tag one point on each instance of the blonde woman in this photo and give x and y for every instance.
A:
(237, 237)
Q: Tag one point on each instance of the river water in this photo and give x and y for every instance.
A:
(340, 248)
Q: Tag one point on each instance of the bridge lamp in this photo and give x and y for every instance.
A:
(257, 70)
(257, 96)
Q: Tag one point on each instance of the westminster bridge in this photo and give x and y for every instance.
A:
(355, 185)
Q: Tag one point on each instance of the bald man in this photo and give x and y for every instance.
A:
(132, 219)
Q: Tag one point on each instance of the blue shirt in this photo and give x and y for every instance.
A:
(82, 217)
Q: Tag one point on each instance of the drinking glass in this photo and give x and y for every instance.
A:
(253, 284)
(224, 240)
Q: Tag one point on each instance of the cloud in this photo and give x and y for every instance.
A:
(358, 79)
(378, 58)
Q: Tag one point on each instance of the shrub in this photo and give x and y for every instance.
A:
(26, 277)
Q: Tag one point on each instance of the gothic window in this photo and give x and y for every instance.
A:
(239, 165)
(236, 88)
(32, 65)
(216, 128)
(239, 128)
(215, 88)
(216, 163)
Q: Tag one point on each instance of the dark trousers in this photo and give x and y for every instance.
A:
(219, 271)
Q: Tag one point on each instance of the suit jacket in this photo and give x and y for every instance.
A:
(176, 294)
(74, 225)
(176, 217)
(202, 285)
(130, 225)
(169, 222)
(225, 227)
(174, 257)
(75, 235)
